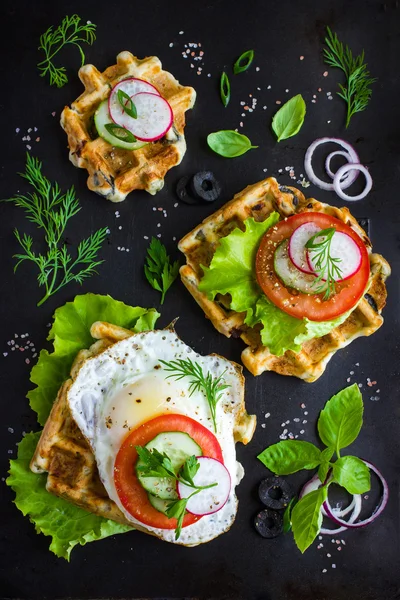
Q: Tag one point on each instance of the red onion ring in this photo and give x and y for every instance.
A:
(337, 183)
(347, 179)
(310, 172)
(375, 514)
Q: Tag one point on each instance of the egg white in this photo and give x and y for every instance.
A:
(126, 385)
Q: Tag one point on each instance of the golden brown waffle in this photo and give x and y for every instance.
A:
(64, 453)
(258, 201)
(114, 172)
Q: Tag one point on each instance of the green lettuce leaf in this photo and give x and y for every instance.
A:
(70, 333)
(67, 524)
(232, 272)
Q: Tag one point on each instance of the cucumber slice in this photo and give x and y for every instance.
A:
(178, 446)
(289, 274)
(101, 118)
(158, 504)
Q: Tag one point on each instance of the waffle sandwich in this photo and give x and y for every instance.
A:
(115, 172)
(258, 201)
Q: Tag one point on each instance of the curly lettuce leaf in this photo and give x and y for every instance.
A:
(232, 271)
(70, 333)
(67, 524)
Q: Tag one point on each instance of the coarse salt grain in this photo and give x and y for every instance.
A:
(325, 73)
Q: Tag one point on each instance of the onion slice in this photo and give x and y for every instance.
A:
(338, 184)
(352, 157)
(347, 179)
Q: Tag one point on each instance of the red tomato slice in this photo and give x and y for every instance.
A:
(295, 303)
(132, 495)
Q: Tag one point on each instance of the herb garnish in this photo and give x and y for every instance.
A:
(339, 424)
(325, 264)
(156, 464)
(229, 143)
(289, 118)
(357, 90)
(160, 273)
(51, 210)
(211, 386)
(121, 133)
(127, 104)
(243, 62)
(69, 32)
(225, 89)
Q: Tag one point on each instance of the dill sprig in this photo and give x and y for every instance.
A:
(212, 387)
(69, 32)
(357, 90)
(50, 209)
(325, 265)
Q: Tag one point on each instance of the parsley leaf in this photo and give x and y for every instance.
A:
(177, 510)
(160, 273)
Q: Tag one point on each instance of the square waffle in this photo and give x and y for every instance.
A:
(114, 172)
(258, 201)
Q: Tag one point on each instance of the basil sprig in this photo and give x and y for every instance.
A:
(289, 118)
(339, 424)
(127, 104)
(225, 89)
(120, 133)
(229, 143)
(243, 62)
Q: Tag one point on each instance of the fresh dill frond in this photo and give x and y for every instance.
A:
(50, 209)
(357, 90)
(52, 41)
(326, 265)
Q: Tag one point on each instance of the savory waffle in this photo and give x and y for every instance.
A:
(258, 201)
(114, 172)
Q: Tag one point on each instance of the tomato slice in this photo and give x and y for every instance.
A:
(132, 495)
(299, 305)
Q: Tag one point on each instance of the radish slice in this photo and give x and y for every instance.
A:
(353, 158)
(131, 87)
(154, 117)
(212, 499)
(345, 181)
(344, 248)
(338, 185)
(296, 247)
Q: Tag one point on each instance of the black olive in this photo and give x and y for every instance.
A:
(269, 523)
(275, 493)
(205, 187)
(183, 192)
(371, 302)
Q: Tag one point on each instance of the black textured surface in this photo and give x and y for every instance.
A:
(239, 564)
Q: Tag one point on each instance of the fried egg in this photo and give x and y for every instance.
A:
(127, 385)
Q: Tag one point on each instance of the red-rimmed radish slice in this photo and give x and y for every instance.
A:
(297, 242)
(338, 183)
(212, 499)
(352, 158)
(131, 87)
(344, 248)
(154, 117)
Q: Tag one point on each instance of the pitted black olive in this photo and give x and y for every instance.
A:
(182, 191)
(269, 523)
(205, 187)
(275, 493)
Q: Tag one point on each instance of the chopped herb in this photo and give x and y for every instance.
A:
(243, 62)
(127, 104)
(120, 132)
(225, 89)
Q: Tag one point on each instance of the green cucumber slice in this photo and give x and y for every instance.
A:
(290, 275)
(178, 446)
(101, 118)
(158, 504)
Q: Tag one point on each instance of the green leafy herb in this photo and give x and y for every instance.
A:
(225, 89)
(212, 387)
(121, 133)
(243, 62)
(289, 118)
(357, 90)
(287, 515)
(229, 143)
(338, 426)
(69, 32)
(127, 104)
(51, 210)
(326, 265)
(160, 273)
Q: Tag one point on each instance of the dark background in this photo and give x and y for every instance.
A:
(239, 564)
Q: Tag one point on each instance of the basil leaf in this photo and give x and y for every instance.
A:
(307, 518)
(287, 515)
(341, 420)
(243, 62)
(353, 474)
(120, 133)
(225, 89)
(289, 118)
(325, 465)
(290, 456)
(229, 143)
